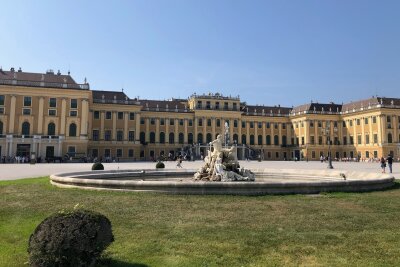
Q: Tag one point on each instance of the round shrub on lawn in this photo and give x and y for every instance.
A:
(97, 166)
(72, 239)
(160, 165)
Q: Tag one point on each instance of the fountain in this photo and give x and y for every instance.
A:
(221, 174)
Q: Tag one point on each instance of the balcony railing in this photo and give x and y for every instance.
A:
(46, 84)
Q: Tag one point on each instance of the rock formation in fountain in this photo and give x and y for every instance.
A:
(222, 165)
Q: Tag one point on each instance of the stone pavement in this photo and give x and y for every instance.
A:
(19, 171)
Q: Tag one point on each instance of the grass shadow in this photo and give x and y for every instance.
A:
(108, 262)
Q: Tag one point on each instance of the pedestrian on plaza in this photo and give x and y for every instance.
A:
(389, 160)
(179, 162)
(383, 164)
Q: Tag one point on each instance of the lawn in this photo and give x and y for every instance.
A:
(336, 229)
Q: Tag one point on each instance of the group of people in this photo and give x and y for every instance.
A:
(389, 161)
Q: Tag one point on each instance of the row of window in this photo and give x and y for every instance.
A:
(51, 129)
(27, 102)
(216, 106)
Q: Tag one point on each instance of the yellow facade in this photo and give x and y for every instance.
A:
(55, 120)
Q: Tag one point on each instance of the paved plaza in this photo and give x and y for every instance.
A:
(19, 171)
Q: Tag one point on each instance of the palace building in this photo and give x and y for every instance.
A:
(51, 115)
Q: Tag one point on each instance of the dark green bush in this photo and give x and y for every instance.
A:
(97, 166)
(160, 165)
(72, 239)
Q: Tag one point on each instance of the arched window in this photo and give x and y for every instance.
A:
(208, 138)
(236, 138)
(72, 129)
(276, 140)
(252, 140)
(152, 137)
(190, 138)
(1, 127)
(284, 141)
(51, 129)
(390, 139)
(171, 138)
(142, 138)
(181, 139)
(260, 139)
(268, 140)
(200, 138)
(243, 139)
(26, 127)
(162, 138)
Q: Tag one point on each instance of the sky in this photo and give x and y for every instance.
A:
(268, 52)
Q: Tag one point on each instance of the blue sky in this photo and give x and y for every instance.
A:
(268, 52)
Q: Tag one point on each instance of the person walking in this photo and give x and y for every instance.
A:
(178, 162)
(389, 160)
(383, 164)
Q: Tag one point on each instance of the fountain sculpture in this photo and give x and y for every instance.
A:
(222, 164)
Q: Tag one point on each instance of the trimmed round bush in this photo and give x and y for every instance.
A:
(97, 166)
(73, 239)
(160, 165)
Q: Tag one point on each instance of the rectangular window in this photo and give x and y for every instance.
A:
(171, 121)
(351, 123)
(199, 104)
(268, 125)
(181, 122)
(312, 140)
(131, 116)
(71, 151)
(302, 140)
(283, 125)
(375, 154)
(131, 136)
(107, 135)
(358, 121)
(190, 122)
(130, 153)
(208, 105)
(319, 124)
(142, 153)
(27, 101)
(52, 112)
(200, 122)
(367, 138)
(1, 110)
(234, 106)
(367, 154)
(344, 140)
(96, 114)
(226, 106)
(107, 152)
(1, 100)
(311, 124)
(344, 124)
(374, 119)
(162, 121)
(276, 125)
(319, 140)
(119, 152)
(120, 135)
(351, 140)
(152, 121)
(74, 103)
(73, 113)
(243, 124)
(217, 105)
(365, 120)
(120, 115)
(259, 125)
(359, 139)
(95, 135)
(53, 102)
(108, 115)
(142, 121)
(313, 154)
(26, 111)
(251, 124)
(235, 123)
(375, 138)
(388, 119)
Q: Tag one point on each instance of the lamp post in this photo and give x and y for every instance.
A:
(327, 132)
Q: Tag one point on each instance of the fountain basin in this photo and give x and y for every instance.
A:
(268, 181)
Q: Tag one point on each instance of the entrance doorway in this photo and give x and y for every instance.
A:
(23, 150)
(49, 151)
(297, 154)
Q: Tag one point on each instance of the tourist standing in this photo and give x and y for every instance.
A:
(389, 160)
(383, 164)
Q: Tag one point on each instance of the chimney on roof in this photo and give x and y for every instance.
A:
(50, 71)
(12, 69)
(69, 72)
(19, 70)
(58, 73)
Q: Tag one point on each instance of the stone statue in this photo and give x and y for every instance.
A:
(221, 164)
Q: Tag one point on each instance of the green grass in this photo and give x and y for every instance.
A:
(338, 229)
